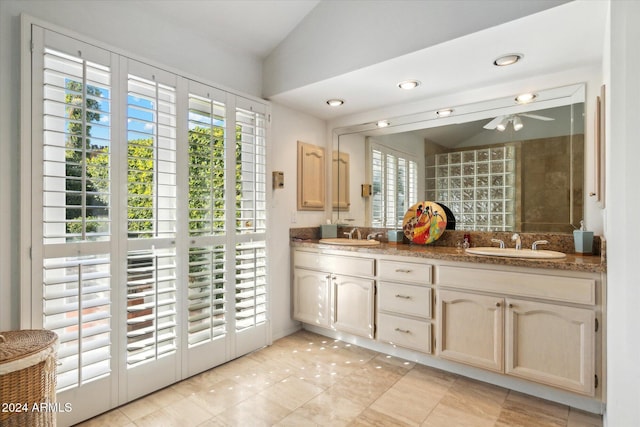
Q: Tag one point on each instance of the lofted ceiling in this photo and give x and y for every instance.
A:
(313, 50)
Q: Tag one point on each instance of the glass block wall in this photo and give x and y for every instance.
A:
(477, 185)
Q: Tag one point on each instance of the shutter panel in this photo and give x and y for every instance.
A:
(377, 199)
(206, 166)
(76, 209)
(77, 306)
(76, 149)
(250, 253)
(207, 293)
(151, 130)
(390, 195)
(251, 171)
(151, 207)
(251, 290)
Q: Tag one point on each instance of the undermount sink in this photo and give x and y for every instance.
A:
(350, 242)
(515, 253)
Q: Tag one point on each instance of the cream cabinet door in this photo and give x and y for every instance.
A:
(470, 329)
(353, 305)
(551, 344)
(340, 181)
(311, 173)
(311, 297)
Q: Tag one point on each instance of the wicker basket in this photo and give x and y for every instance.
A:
(27, 377)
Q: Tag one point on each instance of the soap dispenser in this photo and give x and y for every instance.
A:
(583, 240)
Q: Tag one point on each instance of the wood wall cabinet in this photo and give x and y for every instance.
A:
(311, 177)
(341, 200)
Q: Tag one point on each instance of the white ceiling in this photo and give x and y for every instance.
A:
(561, 38)
(251, 26)
(567, 36)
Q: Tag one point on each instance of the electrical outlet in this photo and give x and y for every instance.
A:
(294, 217)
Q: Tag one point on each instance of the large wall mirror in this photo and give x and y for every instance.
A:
(496, 165)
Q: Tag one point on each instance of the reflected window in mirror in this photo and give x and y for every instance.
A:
(394, 178)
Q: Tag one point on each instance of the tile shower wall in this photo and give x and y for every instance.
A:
(477, 185)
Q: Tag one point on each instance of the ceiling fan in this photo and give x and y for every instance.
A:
(500, 123)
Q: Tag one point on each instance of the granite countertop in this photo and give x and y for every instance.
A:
(572, 262)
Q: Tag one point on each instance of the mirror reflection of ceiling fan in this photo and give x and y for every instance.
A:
(500, 123)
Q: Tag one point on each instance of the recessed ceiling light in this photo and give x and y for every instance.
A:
(409, 84)
(383, 123)
(508, 59)
(525, 98)
(335, 102)
(446, 112)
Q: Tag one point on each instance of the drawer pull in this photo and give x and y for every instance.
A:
(404, 331)
(403, 296)
(403, 270)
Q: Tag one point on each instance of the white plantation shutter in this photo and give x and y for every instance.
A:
(251, 162)
(250, 254)
(151, 205)
(251, 290)
(207, 293)
(151, 304)
(207, 276)
(72, 89)
(151, 133)
(147, 194)
(77, 306)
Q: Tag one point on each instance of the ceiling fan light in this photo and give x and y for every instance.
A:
(409, 84)
(508, 59)
(502, 126)
(335, 102)
(517, 123)
(525, 98)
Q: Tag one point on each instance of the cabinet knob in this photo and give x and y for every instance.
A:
(510, 305)
(497, 304)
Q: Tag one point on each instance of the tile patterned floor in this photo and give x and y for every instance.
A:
(310, 380)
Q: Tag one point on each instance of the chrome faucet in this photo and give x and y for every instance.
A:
(534, 247)
(354, 230)
(373, 236)
(501, 242)
(518, 240)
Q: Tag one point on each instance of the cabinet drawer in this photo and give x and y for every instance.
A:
(409, 333)
(334, 263)
(401, 271)
(556, 288)
(412, 300)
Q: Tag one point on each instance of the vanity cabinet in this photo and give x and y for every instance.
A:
(353, 302)
(311, 297)
(470, 329)
(525, 325)
(405, 304)
(334, 291)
